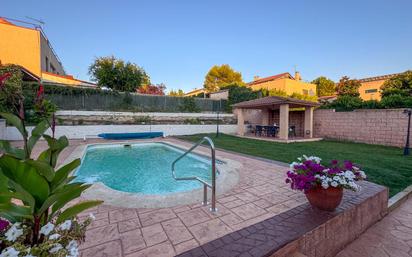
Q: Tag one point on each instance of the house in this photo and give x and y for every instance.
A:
(31, 49)
(196, 92)
(370, 88)
(284, 82)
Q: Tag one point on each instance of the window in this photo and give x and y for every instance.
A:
(305, 91)
(52, 68)
(47, 64)
(369, 91)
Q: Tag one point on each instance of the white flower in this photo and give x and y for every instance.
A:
(46, 229)
(325, 185)
(362, 174)
(91, 216)
(56, 248)
(72, 248)
(54, 236)
(14, 232)
(334, 184)
(9, 252)
(65, 225)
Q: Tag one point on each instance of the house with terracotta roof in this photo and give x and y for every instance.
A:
(30, 48)
(284, 82)
(370, 88)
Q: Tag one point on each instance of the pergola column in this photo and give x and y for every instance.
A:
(284, 121)
(308, 132)
(240, 122)
(265, 117)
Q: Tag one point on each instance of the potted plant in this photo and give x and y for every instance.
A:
(323, 184)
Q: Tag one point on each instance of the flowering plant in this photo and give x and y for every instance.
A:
(58, 240)
(309, 173)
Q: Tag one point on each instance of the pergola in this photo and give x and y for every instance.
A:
(283, 104)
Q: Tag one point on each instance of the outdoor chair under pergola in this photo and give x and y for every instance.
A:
(270, 104)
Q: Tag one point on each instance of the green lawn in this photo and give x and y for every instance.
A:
(384, 165)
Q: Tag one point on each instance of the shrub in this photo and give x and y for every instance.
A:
(345, 103)
(396, 101)
(189, 105)
(371, 104)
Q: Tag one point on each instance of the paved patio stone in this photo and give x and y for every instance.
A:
(100, 235)
(132, 241)
(391, 237)
(154, 234)
(160, 250)
(209, 230)
(176, 231)
(185, 246)
(193, 217)
(153, 217)
(248, 211)
(128, 225)
(112, 249)
(122, 214)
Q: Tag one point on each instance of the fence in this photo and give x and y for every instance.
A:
(134, 102)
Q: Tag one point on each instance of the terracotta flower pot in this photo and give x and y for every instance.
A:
(325, 199)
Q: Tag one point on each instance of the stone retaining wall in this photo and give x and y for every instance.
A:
(139, 118)
(383, 127)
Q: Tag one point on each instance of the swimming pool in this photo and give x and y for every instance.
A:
(143, 168)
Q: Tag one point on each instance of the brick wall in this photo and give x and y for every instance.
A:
(383, 127)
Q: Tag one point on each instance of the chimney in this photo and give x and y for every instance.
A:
(297, 76)
(255, 78)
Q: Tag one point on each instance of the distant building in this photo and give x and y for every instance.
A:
(196, 92)
(284, 82)
(220, 95)
(30, 48)
(371, 87)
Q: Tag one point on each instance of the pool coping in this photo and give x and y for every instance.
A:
(227, 179)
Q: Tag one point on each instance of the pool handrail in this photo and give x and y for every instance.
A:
(205, 183)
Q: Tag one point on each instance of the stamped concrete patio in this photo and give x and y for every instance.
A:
(259, 215)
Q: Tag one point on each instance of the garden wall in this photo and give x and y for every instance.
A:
(140, 118)
(378, 126)
(91, 131)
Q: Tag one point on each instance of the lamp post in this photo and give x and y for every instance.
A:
(406, 149)
(217, 120)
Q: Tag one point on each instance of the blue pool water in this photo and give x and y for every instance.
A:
(142, 168)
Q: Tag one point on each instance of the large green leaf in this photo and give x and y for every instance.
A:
(27, 198)
(42, 168)
(36, 133)
(55, 147)
(26, 176)
(63, 172)
(76, 209)
(15, 121)
(58, 200)
(4, 187)
(15, 211)
(6, 147)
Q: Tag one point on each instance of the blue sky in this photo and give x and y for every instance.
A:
(177, 42)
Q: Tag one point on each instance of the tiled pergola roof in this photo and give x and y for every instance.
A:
(274, 102)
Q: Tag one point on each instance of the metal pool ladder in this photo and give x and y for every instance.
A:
(205, 183)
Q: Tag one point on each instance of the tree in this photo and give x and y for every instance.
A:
(158, 89)
(220, 76)
(324, 86)
(347, 86)
(239, 94)
(400, 84)
(118, 75)
(178, 92)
